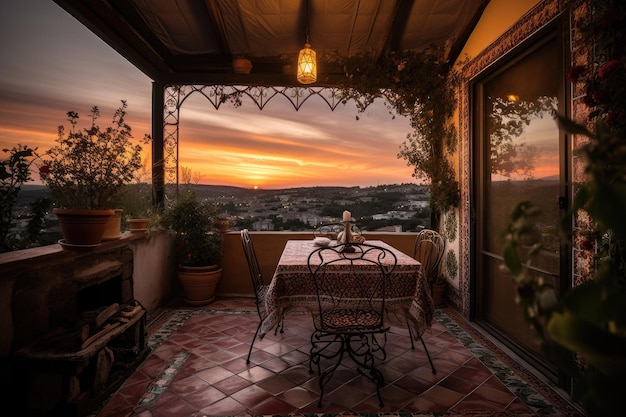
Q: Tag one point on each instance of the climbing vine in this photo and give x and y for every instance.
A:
(420, 86)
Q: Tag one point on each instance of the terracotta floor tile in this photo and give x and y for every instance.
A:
(493, 395)
(298, 397)
(216, 380)
(188, 385)
(214, 374)
(204, 397)
(396, 396)
(255, 374)
(232, 384)
(226, 407)
(276, 384)
(175, 408)
(443, 396)
(349, 395)
(271, 406)
(424, 404)
(457, 384)
(277, 364)
(252, 395)
(413, 384)
(297, 373)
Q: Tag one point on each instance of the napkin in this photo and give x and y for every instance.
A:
(321, 241)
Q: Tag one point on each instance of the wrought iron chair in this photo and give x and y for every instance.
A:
(428, 250)
(350, 282)
(260, 289)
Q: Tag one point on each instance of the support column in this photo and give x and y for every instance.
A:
(158, 160)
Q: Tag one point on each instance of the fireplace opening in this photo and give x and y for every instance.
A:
(100, 295)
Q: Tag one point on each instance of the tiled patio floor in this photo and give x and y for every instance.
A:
(198, 367)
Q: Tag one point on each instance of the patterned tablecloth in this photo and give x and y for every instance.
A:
(408, 300)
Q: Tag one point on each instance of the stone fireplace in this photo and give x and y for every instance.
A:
(77, 331)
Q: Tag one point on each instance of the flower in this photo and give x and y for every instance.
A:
(574, 74)
(607, 67)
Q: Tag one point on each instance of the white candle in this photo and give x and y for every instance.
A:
(347, 216)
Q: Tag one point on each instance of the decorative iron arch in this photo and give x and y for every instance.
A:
(217, 95)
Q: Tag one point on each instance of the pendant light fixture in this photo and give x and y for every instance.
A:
(307, 63)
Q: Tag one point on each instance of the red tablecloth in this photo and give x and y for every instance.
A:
(408, 297)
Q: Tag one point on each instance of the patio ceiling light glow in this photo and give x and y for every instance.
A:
(307, 65)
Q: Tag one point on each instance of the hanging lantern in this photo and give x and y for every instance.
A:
(307, 65)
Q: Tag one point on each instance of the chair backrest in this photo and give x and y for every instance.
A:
(253, 266)
(350, 282)
(429, 249)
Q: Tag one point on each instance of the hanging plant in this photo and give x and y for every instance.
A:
(420, 86)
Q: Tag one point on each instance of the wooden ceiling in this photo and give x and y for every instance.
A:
(194, 41)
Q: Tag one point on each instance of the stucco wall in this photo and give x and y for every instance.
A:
(499, 15)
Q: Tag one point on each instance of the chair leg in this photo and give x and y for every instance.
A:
(282, 326)
(428, 355)
(408, 325)
(319, 343)
(253, 339)
(365, 357)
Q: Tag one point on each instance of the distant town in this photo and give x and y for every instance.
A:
(395, 207)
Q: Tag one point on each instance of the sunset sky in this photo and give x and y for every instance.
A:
(52, 64)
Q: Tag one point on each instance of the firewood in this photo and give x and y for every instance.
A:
(102, 332)
(104, 363)
(106, 314)
(120, 319)
(130, 313)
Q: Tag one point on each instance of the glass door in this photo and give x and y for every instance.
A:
(520, 155)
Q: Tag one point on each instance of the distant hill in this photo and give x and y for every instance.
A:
(213, 192)
(30, 193)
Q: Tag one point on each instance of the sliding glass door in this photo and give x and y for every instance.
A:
(519, 155)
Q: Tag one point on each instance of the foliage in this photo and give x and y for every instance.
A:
(420, 86)
(604, 86)
(590, 320)
(508, 120)
(584, 331)
(38, 210)
(14, 172)
(198, 241)
(88, 167)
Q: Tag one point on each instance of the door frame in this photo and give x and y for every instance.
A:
(559, 28)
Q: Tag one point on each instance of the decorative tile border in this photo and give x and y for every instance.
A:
(162, 382)
(514, 382)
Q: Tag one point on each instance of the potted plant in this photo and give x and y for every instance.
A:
(86, 172)
(139, 213)
(198, 247)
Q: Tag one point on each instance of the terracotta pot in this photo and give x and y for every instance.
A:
(199, 283)
(438, 294)
(113, 229)
(138, 225)
(222, 225)
(82, 227)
